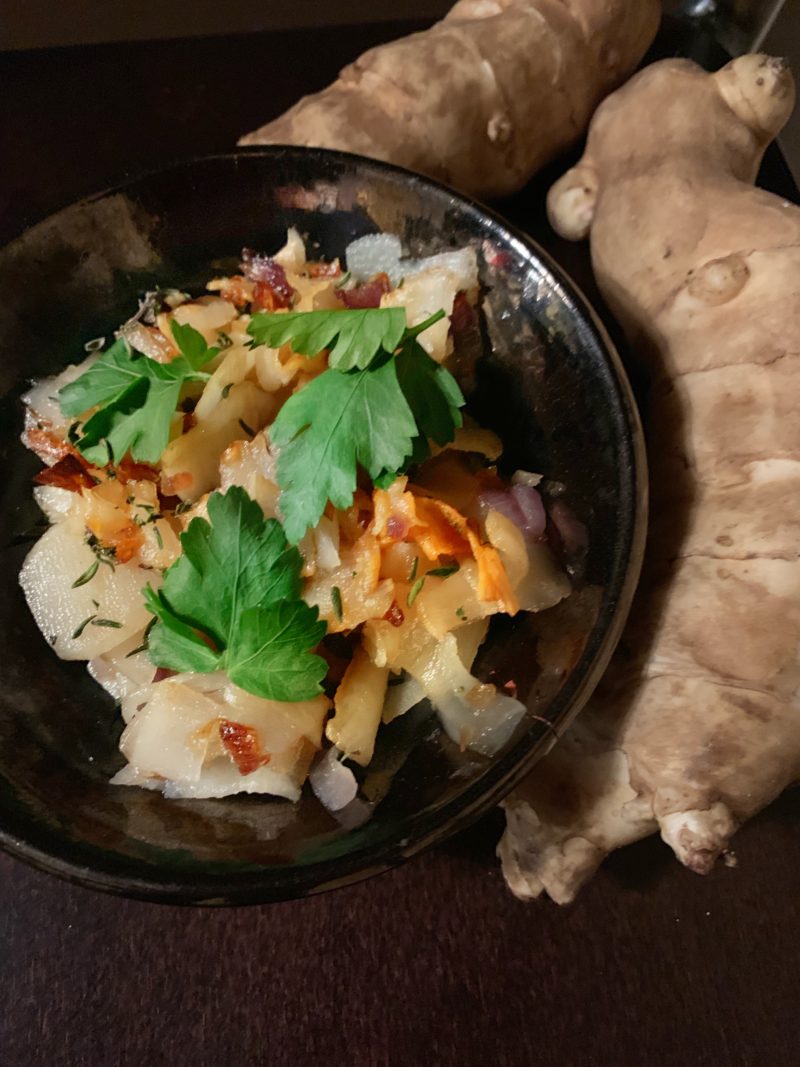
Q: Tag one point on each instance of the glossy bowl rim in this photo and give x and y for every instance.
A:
(278, 883)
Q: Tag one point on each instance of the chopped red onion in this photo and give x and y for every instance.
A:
(367, 295)
(260, 268)
(521, 504)
(530, 504)
(500, 500)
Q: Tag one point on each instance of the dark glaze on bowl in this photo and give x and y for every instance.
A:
(553, 388)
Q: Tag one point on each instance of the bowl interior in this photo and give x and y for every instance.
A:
(552, 388)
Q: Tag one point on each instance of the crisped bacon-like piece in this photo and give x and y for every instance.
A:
(320, 269)
(238, 290)
(395, 614)
(128, 470)
(272, 288)
(43, 441)
(242, 745)
(463, 316)
(69, 472)
(367, 295)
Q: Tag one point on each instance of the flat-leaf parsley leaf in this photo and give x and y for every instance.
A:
(231, 601)
(328, 427)
(135, 398)
(371, 407)
(359, 334)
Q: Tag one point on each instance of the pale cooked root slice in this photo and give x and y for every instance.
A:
(484, 97)
(698, 724)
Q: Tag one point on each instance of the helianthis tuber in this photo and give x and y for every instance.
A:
(483, 98)
(697, 725)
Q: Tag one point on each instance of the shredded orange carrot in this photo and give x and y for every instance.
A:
(493, 583)
(440, 529)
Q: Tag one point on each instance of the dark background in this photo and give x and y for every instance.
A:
(434, 963)
(773, 25)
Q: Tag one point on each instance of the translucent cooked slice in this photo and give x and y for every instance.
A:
(82, 620)
(190, 463)
(474, 715)
(170, 735)
(357, 708)
(220, 741)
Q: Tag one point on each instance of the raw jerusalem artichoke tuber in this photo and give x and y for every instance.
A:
(697, 725)
(483, 98)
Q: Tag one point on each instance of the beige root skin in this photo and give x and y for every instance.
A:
(483, 98)
(698, 719)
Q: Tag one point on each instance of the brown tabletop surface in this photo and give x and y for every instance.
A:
(434, 963)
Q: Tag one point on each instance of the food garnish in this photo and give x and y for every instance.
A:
(231, 601)
(133, 398)
(370, 408)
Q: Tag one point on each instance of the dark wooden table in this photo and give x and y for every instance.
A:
(434, 964)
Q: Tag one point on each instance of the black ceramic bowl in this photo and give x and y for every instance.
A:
(553, 388)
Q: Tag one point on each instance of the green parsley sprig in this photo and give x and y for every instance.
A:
(231, 601)
(134, 398)
(354, 336)
(376, 406)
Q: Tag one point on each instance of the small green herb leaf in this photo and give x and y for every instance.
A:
(192, 345)
(87, 575)
(76, 633)
(270, 653)
(444, 572)
(134, 398)
(359, 334)
(415, 590)
(432, 393)
(370, 407)
(336, 601)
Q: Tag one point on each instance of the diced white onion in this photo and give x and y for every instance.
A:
(334, 784)
(373, 254)
(461, 262)
(402, 698)
(293, 254)
(42, 397)
(56, 503)
(526, 478)
(326, 538)
(381, 252)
